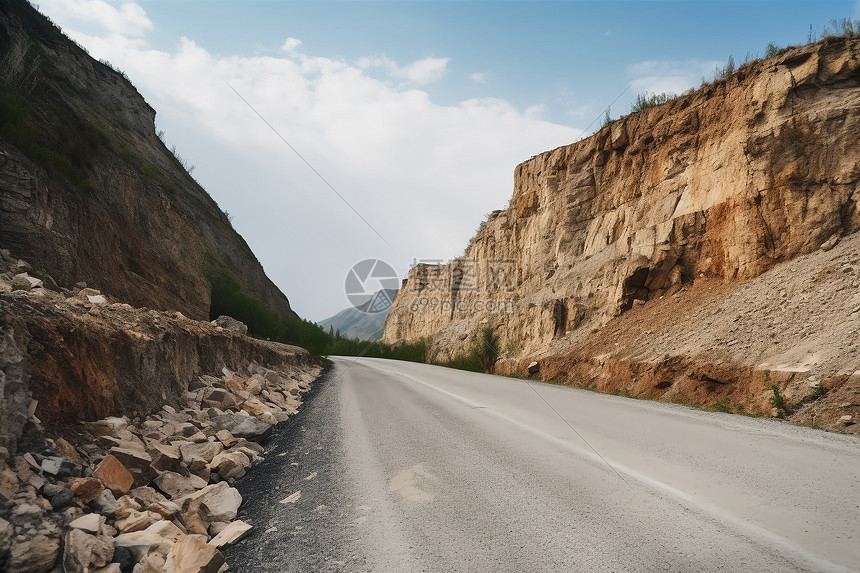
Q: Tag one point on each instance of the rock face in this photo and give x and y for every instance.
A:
(82, 366)
(721, 184)
(88, 192)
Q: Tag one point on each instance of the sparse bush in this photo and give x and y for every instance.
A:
(846, 27)
(777, 400)
(724, 405)
(181, 160)
(646, 100)
(725, 71)
(479, 356)
(487, 349)
(771, 50)
(607, 119)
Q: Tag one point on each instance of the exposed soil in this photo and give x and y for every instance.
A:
(795, 326)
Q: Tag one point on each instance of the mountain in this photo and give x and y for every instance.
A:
(357, 322)
(624, 261)
(89, 193)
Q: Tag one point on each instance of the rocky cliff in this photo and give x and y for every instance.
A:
(717, 186)
(88, 191)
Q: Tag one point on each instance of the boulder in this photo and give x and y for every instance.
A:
(204, 451)
(35, 555)
(219, 398)
(241, 426)
(166, 509)
(58, 467)
(146, 495)
(219, 501)
(98, 299)
(226, 438)
(231, 534)
(86, 489)
(89, 523)
(114, 475)
(63, 498)
(175, 485)
(259, 410)
(132, 458)
(191, 555)
(137, 521)
(125, 505)
(108, 427)
(105, 504)
(231, 464)
(231, 324)
(222, 502)
(158, 538)
(83, 552)
(25, 282)
(165, 457)
(201, 469)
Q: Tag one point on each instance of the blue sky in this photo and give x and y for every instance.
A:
(569, 57)
(416, 112)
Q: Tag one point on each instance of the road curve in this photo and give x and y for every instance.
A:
(408, 467)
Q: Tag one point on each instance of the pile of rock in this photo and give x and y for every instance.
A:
(145, 495)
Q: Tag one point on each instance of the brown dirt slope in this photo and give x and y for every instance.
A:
(796, 326)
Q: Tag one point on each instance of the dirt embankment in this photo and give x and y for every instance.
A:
(723, 345)
(82, 357)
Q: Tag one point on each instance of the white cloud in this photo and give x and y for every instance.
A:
(126, 19)
(425, 71)
(479, 77)
(291, 45)
(666, 76)
(419, 72)
(423, 174)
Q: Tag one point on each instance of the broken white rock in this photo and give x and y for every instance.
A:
(231, 534)
(90, 523)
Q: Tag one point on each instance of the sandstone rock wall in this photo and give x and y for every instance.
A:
(724, 183)
(88, 192)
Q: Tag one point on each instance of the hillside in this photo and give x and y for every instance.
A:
(89, 193)
(357, 323)
(610, 245)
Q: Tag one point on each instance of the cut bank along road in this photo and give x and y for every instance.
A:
(394, 466)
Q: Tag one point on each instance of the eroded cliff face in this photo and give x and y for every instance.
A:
(88, 192)
(720, 184)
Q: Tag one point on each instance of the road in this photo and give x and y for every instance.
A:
(408, 467)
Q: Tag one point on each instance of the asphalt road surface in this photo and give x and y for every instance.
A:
(394, 466)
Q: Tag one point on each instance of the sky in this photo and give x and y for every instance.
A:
(334, 132)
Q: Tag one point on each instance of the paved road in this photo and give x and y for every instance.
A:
(408, 467)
